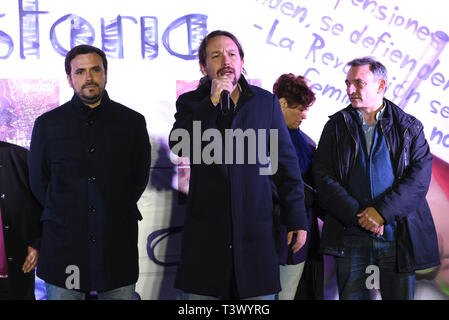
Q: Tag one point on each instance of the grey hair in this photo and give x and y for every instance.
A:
(378, 69)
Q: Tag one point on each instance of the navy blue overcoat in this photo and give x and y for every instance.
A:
(229, 221)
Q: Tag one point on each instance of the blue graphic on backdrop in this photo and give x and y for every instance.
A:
(29, 27)
(196, 29)
(112, 34)
(153, 240)
(81, 32)
(5, 39)
(149, 37)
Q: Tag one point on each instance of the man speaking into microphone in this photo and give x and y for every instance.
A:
(228, 246)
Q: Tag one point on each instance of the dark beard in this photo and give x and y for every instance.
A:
(90, 100)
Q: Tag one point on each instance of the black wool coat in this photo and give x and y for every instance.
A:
(83, 161)
(20, 214)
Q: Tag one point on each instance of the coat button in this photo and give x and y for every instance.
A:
(92, 209)
(3, 196)
(92, 238)
(6, 227)
(91, 179)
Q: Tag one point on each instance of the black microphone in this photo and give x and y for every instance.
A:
(224, 102)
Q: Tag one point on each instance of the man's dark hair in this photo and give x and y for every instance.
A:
(378, 69)
(83, 49)
(202, 50)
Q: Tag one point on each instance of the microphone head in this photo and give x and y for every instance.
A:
(224, 102)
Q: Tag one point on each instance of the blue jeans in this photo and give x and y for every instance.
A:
(371, 264)
(193, 296)
(58, 293)
(290, 277)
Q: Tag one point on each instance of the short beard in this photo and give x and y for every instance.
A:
(90, 100)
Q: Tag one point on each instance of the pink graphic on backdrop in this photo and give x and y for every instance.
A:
(438, 197)
(21, 102)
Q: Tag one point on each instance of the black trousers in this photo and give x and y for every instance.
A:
(4, 289)
(24, 290)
